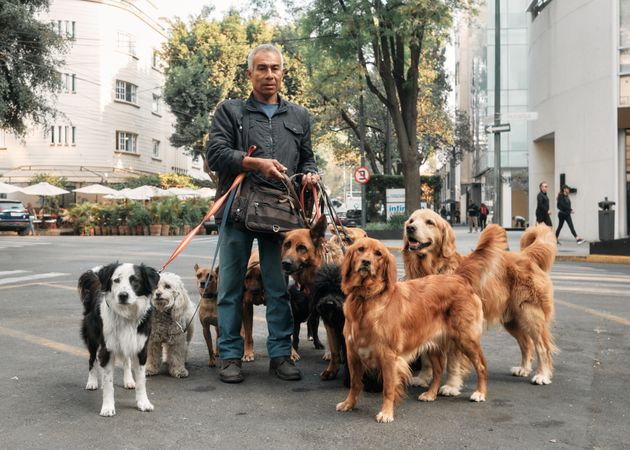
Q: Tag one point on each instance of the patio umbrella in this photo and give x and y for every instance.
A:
(44, 189)
(96, 189)
(183, 192)
(119, 195)
(206, 192)
(6, 188)
(147, 192)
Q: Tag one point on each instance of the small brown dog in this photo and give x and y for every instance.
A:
(207, 288)
(253, 294)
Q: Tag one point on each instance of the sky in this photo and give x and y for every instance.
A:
(185, 8)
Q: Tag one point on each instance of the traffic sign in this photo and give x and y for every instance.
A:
(501, 128)
(362, 175)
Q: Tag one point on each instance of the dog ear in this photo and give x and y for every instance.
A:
(448, 240)
(347, 274)
(391, 273)
(105, 276)
(318, 232)
(150, 278)
(196, 267)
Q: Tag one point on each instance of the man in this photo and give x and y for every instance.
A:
(543, 213)
(473, 218)
(281, 132)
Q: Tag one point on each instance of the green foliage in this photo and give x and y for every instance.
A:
(138, 215)
(30, 57)
(80, 215)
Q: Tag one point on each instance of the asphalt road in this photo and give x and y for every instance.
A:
(44, 370)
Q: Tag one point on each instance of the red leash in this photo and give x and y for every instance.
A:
(213, 209)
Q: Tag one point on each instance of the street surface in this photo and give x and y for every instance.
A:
(43, 373)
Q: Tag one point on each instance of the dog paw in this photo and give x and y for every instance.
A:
(326, 356)
(419, 381)
(426, 397)
(248, 357)
(179, 373)
(129, 384)
(344, 406)
(519, 371)
(145, 405)
(295, 356)
(91, 385)
(477, 397)
(328, 375)
(449, 391)
(108, 411)
(540, 378)
(150, 371)
(318, 345)
(382, 417)
(212, 362)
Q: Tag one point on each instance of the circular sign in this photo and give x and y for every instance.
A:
(362, 175)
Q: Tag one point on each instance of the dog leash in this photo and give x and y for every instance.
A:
(211, 212)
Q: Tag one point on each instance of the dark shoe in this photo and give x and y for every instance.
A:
(284, 368)
(580, 241)
(231, 371)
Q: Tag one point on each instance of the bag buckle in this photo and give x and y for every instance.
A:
(275, 228)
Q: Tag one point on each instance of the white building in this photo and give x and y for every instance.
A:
(579, 83)
(114, 122)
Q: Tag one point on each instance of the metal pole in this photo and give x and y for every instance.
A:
(498, 185)
(362, 151)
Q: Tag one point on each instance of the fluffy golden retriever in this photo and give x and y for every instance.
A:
(388, 323)
(520, 296)
(347, 235)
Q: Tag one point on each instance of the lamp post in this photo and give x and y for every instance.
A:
(498, 186)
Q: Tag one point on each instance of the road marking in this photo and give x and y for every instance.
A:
(54, 345)
(574, 277)
(59, 286)
(603, 315)
(37, 276)
(11, 272)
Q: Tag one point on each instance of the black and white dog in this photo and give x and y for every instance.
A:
(117, 307)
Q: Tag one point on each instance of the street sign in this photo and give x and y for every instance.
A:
(362, 175)
(512, 116)
(501, 128)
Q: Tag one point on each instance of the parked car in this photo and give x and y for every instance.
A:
(210, 225)
(13, 216)
(352, 218)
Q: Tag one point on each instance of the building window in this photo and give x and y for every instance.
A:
(155, 104)
(63, 135)
(156, 148)
(126, 42)
(126, 92)
(126, 142)
(68, 83)
(155, 59)
(65, 28)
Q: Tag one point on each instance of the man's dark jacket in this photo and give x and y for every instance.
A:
(285, 137)
(542, 207)
(564, 205)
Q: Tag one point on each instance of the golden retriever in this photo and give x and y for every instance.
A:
(388, 323)
(520, 296)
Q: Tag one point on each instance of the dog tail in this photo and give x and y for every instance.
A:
(484, 261)
(89, 288)
(539, 244)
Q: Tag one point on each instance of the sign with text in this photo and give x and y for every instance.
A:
(394, 202)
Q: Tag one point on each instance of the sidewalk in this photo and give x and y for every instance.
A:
(568, 250)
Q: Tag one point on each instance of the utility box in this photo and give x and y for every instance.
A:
(606, 220)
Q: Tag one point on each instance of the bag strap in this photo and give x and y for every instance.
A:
(291, 191)
(245, 125)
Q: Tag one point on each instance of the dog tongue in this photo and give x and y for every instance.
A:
(414, 246)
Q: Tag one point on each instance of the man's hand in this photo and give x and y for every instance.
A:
(268, 168)
(310, 179)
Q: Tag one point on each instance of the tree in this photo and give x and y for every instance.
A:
(391, 41)
(30, 55)
(205, 64)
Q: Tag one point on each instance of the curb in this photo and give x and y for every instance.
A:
(604, 259)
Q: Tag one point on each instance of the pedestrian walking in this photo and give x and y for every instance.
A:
(483, 216)
(564, 214)
(473, 218)
(31, 216)
(281, 132)
(543, 213)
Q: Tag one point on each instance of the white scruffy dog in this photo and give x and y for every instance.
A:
(171, 326)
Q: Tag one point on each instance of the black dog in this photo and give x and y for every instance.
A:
(328, 301)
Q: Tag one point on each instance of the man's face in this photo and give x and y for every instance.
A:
(544, 188)
(266, 76)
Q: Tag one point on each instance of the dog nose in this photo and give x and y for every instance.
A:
(365, 263)
(123, 297)
(411, 229)
(202, 285)
(286, 265)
